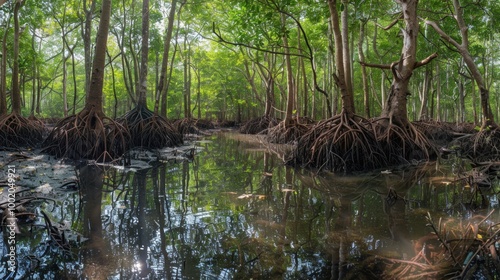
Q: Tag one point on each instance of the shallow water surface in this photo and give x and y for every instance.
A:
(234, 212)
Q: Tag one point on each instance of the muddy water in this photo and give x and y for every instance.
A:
(236, 212)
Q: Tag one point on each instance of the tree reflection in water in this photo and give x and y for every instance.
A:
(96, 253)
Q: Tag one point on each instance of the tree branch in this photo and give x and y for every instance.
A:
(425, 61)
(443, 34)
(375, 65)
(222, 40)
(391, 24)
(390, 66)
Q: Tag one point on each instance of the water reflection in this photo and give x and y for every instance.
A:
(236, 212)
(96, 253)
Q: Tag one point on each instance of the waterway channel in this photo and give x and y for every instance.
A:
(235, 211)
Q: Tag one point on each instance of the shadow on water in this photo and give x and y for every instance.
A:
(236, 212)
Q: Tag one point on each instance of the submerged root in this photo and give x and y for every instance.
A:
(16, 130)
(150, 130)
(341, 143)
(284, 133)
(258, 125)
(403, 144)
(454, 250)
(87, 135)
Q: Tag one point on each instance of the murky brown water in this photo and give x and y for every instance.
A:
(236, 212)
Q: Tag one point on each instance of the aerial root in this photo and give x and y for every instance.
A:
(258, 125)
(204, 124)
(150, 130)
(16, 130)
(482, 146)
(88, 135)
(341, 143)
(193, 126)
(284, 133)
(402, 144)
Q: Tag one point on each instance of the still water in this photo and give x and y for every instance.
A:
(234, 212)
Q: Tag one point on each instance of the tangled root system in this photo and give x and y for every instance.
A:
(341, 143)
(482, 146)
(286, 133)
(150, 130)
(227, 123)
(405, 143)
(193, 126)
(16, 130)
(204, 124)
(258, 125)
(87, 135)
(186, 126)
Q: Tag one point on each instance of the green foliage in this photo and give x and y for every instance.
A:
(223, 77)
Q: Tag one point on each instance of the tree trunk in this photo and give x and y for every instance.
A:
(142, 85)
(396, 104)
(424, 112)
(340, 78)
(64, 82)
(73, 71)
(3, 70)
(361, 55)
(115, 106)
(346, 50)
(463, 49)
(438, 94)
(16, 92)
(161, 90)
(94, 97)
(34, 73)
(289, 76)
(86, 34)
(187, 79)
(198, 95)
